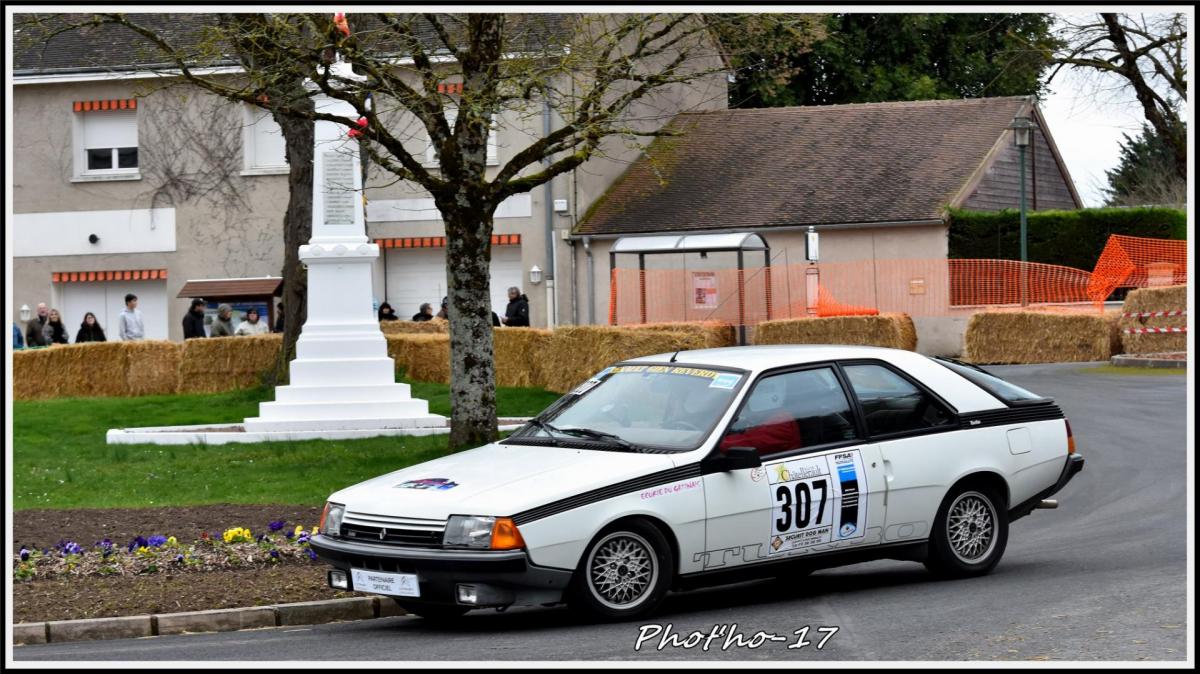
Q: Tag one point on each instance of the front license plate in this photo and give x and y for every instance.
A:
(393, 584)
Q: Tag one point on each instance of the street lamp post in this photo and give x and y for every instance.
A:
(1022, 129)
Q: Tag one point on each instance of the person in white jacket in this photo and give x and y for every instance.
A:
(252, 325)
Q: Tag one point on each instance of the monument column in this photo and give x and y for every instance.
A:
(342, 377)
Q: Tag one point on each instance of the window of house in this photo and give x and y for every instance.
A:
(263, 145)
(891, 403)
(431, 158)
(791, 411)
(108, 142)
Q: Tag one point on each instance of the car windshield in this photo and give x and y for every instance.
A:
(669, 407)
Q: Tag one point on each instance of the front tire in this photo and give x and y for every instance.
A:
(969, 534)
(625, 572)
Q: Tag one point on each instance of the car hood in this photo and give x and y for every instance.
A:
(495, 480)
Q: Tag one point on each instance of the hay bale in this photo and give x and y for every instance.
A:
(153, 368)
(894, 331)
(575, 353)
(421, 357)
(71, 370)
(519, 356)
(1143, 300)
(715, 333)
(226, 363)
(436, 325)
(1002, 337)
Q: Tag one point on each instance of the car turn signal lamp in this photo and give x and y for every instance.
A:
(506, 536)
(1070, 439)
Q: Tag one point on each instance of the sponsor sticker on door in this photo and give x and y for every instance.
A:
(816, 500)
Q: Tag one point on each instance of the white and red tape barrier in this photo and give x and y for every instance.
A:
(1151, 331)
(1153, 314)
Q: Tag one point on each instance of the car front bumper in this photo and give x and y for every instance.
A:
(503, 577)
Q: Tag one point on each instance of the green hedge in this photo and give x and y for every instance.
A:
(1070, 238)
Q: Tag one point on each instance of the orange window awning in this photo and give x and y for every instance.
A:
(440, 241)
(110, 104)
(109, 275)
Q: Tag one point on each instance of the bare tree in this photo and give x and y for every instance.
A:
(1145, 53)
(445, 78)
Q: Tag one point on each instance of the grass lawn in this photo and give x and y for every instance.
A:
(60, 459)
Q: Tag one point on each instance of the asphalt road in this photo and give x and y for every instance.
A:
(1103, 577)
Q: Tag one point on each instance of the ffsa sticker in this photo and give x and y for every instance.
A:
(816, 500)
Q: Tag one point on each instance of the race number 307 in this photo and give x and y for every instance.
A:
(798, 502)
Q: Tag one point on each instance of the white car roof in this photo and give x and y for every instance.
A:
(962, 394)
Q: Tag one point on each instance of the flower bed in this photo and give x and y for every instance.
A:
(236, 548)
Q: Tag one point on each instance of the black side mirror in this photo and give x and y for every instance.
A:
(734, 458)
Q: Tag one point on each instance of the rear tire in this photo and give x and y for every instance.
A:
(969, 534)
(625, 572)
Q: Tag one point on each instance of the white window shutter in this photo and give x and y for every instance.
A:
(109, 129)
(265, 145)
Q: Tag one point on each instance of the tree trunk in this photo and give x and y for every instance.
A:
(1164, 120)
(297, 230)
(472, 368)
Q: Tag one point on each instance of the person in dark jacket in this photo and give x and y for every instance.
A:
(223, 326)
(90, 330)
(193, 320)
(495, 320)
(425, 313)
(58, 331)
(517, 313)
(445, 312)
(37, 332)
(278, 318)
(18, 338)
(387, 313)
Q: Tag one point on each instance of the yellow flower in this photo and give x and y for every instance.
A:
(172, 541)
(314, 531)
(299, 530)
(237, 535)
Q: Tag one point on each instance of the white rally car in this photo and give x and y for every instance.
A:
(707, 467)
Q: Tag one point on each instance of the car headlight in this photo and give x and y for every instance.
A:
(331, 519)
(482, 533)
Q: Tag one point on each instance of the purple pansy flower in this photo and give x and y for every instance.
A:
(178, 558)
(275, 554)
(24, 554)
(276, 525)
(138, 542)
(70, 548)
(106, 547)
(156, 541)
(289, 535)
(312, 555)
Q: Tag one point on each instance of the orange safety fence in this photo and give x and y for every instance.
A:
(1136, 262)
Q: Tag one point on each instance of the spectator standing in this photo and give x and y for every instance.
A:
(90, 330)
(58, 331)
(18, 338)
(252, 325)
(223, 326)
(425, 313)
(193, 320)
(129, 324)
(387, 313)
(37, 332)
(517, 313)
(495, 320)
(444, 314)
(278, 318)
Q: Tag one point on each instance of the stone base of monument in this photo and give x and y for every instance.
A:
(220, 434)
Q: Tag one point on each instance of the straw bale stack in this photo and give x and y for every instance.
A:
(71, 370)
(519, 356)
(421, 357)
(225, 363)
(1001, 337)
(401, 327)
(153, 367)
(1145, 300)
(715, 333)
(575, 353)
(895, 331)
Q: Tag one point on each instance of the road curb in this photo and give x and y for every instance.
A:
(216, 620)
(1148, 361)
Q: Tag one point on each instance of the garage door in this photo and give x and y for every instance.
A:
(418, 275)
(106, 299)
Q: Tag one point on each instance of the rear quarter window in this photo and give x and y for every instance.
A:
(1009, 393)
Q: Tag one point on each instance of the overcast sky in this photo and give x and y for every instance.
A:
(1087, 115)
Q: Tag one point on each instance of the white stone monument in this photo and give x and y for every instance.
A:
(342, 377)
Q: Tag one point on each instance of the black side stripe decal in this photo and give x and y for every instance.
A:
(1012, 415)
(604, 493)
